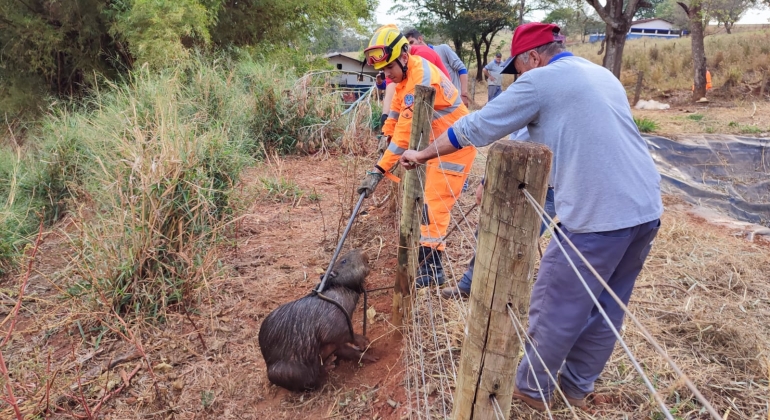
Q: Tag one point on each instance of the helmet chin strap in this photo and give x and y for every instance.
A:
(404, 67)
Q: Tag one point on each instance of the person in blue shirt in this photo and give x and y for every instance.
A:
(494, 72)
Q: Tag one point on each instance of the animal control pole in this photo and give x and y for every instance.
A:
(508, 232)
(412, 207)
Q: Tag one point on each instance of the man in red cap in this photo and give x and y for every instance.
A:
(609, 204)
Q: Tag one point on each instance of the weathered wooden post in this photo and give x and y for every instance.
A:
(412, 207)
(508, 234)
(638, 90)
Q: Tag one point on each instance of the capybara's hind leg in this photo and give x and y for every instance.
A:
(294, 376)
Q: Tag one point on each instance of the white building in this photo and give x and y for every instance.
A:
(351, 69)
(646, 28)
(654, 28)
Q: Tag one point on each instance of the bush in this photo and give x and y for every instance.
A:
(148, 167)
(646, 125)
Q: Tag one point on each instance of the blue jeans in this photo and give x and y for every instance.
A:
(493, 92)
(550, 209)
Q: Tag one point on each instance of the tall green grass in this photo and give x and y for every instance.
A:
(147, 167)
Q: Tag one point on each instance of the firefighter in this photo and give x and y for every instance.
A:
(444, 176)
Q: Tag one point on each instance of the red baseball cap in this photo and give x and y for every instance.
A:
(529, 36)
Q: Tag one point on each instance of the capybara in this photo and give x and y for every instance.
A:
(298, 336)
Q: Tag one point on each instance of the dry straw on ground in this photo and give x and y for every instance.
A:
(703, 295)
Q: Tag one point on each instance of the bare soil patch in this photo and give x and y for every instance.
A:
(704, 294)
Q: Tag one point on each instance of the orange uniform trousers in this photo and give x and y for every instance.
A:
(444, 175)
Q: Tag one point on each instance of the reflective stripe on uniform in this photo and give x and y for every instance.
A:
(430, 240)
(449, 166)
(393, 114)
(425, 72)
(440, 113)
(393, 148)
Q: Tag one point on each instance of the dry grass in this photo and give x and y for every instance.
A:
(703, 295)
(735, 61)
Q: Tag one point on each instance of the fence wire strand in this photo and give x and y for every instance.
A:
(554, 228)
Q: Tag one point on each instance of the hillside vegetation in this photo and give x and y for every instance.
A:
(147, 167)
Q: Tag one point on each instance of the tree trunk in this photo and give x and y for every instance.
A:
(698, 58)
(693, 12)
(486, 50)
(458, 47)
(729, 27)
(615, 41)
(479, 65)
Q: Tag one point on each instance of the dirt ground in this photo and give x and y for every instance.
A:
(207, 364)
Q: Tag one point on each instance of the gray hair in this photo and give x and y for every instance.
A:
(548, 50)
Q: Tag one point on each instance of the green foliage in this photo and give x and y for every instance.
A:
(695, 117)
(52, 46)
(750, 129)
(155, 29)
(575, 18)
(281, 189)
(474, 21)
(148, 168)
(646, 125)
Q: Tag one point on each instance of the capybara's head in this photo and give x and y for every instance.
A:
(350, 271)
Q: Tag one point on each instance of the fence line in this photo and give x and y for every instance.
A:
(645, 333)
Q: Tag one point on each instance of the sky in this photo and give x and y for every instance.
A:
(383, 17)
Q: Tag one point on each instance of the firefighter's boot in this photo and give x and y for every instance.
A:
(431, 271)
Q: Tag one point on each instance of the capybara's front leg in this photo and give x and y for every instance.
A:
(348, 352)
(361, 342)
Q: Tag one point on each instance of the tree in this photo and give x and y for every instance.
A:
(698, 19)
(727, 12)
(650, 11)
(474, 21)
(617, 15)
(672, 12)
(574, 18)
(61, 45)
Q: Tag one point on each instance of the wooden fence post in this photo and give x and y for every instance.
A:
(638, 90)
(412, 207)
(508, 232)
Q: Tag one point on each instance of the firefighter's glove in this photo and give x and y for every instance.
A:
(370, 182)
(382, 144)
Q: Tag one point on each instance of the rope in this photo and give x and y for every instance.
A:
(647, 383)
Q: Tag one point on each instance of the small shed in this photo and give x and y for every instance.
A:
(646, 28)
(652, 28)
(351, 68)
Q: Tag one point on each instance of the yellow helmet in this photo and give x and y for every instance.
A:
(386, 45)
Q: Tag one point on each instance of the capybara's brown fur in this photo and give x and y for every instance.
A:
(297, 336)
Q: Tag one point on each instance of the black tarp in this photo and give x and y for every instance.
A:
(729, 173)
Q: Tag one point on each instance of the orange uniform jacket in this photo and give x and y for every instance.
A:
(445, 175)
(448, 108)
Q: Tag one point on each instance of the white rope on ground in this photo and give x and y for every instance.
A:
(642, 328)
(499, 414)
(517, 326)
(634, 362)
